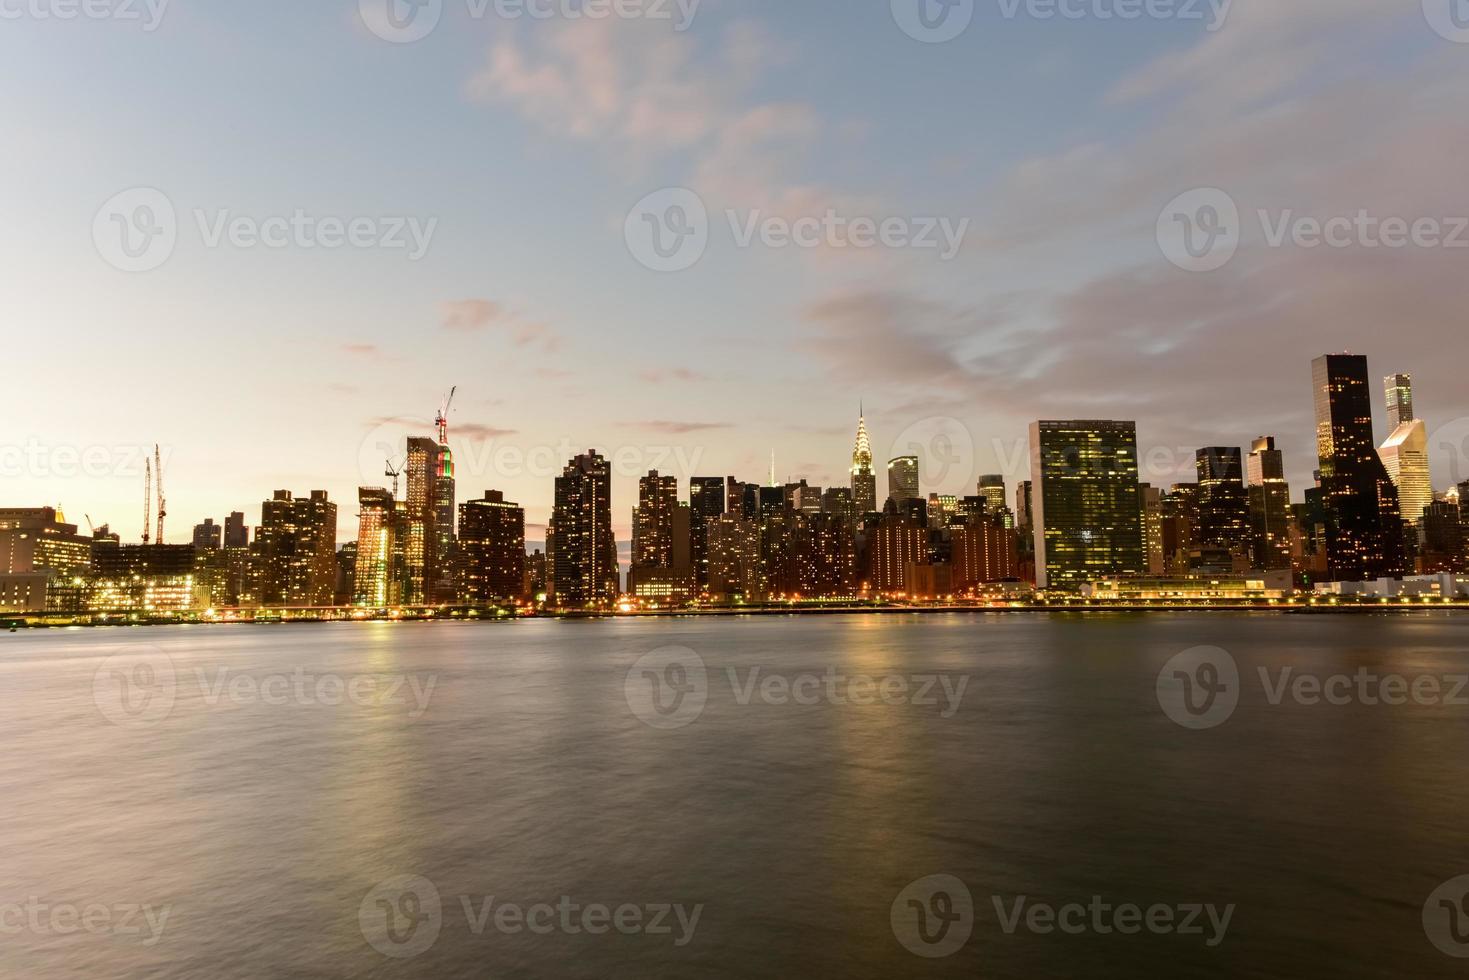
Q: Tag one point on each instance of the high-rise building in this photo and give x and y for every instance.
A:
(1086, 510)
(1270, 510)
(903, 478)
(585, 570)
(443, 588)
(375, 585)
(420, 522)
(236, 533)
(1224, 512)
(898, 542)
(734, 558)
(1405, 453)
(864, 480)
(706, 503)
(145, 577)
(992, 489)
(1180, 519)
(839, 501)
(825, 558)
(208, 535)
(661, 566)
(1443, 538)
(490, 555)
(1152, 505)
(982, 551)
(1364, 528)
(295, 551)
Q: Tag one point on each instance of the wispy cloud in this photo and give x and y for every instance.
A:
(665, 427)
(471, 315)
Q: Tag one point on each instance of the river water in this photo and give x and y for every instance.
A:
(1002, 795)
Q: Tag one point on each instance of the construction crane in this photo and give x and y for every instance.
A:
(443, 420)
(395, 471)
(147, 497)
(91, 528)
(162, 506)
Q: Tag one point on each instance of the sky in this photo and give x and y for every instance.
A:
(582, 223)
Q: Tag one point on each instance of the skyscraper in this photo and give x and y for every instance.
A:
(706, 503)
(375, 585)
(207, 536)
(585, 571)
(295, 550)
(903, 478)
(1405, 453)
(442, 588)
(1364, 528)
(661, 566)
(1224, 513)
(1270, 510)
(864, 481)
(992, 489)
(236, 534)
(490, 559)
(825, 556)
(1086, 505)
(420, 541)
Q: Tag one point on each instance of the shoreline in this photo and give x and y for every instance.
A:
(11, 623)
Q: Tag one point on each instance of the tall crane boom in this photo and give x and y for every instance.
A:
(162, 505)
(147, 497)
(443, 420)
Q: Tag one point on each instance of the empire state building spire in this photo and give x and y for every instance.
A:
(864, 481)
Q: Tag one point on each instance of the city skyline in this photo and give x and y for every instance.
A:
(497, 463)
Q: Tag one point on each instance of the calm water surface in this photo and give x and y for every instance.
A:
(248, 789)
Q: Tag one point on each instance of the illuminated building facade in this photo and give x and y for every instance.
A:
(1270, 509)
(662, 564)
(898, 541)
(375, 585)
(1405, 453)
(584, 569)
(419, 534)
(491, 551)
(825, 556)
(295, 551)
(1364, 528)
(734, 558)
(864, 480)
(145, 578)
(1086, 504)
(982, 551)
(1224, 513)
(903, 478)
(706, 504)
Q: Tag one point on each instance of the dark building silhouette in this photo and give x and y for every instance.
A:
(584, 570)
(490, 553)
(1364, 528)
